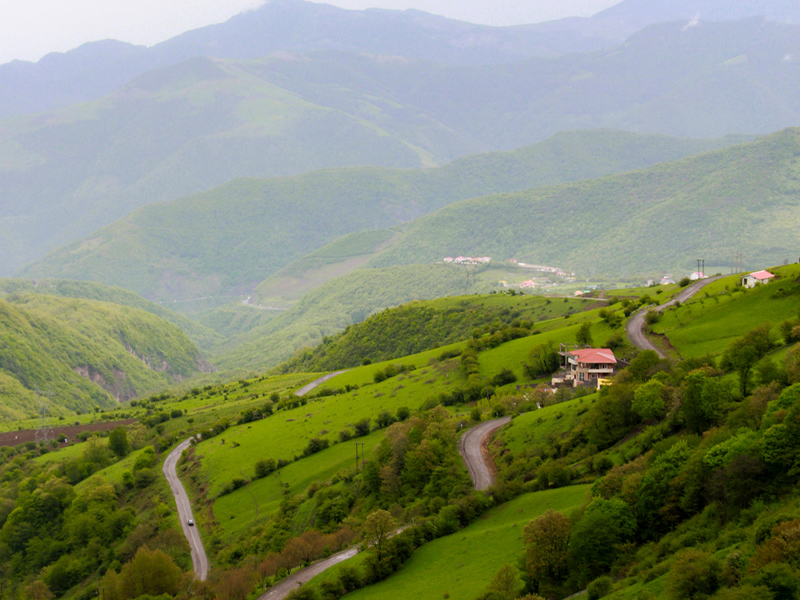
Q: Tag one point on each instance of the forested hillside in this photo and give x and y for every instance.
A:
(84, 354)
(333, 306)
(89, 290)
(229, 239)
(419, 326)
(204, 122)
(657, 219)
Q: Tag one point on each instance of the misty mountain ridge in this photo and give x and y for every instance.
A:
(204, 122)
(96, 68)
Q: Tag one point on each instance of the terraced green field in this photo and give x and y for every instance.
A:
(462, 564)
(262, 497)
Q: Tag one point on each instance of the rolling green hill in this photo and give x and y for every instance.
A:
(200, 123)
(203, 336)
(229, 239)
(742, 198)
(85, 354)
(335, 305)
(421, 326)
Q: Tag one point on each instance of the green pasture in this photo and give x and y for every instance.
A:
(716, 316)
(287, 432)
(535, 428)
(513, 354)
(662, 293)
(462, 564)
(364, 375)
(262, 497)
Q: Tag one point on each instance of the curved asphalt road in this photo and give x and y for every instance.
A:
(318, 382)
(471, 448)
(635, 326)
(199, 558)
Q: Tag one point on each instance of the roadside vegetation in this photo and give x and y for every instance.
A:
(683, 465)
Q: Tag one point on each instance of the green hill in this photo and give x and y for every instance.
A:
(743, 198)
(420, 326)
(227, 240)
(203, 336)
(85, 354)
(335, 305)
(200, 123)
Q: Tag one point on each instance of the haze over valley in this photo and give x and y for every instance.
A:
(318, 302)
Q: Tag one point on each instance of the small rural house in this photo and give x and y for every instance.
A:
(757, 278)
(585, 366)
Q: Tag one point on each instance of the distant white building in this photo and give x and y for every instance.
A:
(696, 275)
(757, 278)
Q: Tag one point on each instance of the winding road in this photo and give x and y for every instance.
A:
(318, 382)
(635, 326)
(199, 558)
(192, 533)
(472, 447)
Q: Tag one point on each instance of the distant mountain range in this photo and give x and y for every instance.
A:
(744, 199)
(98, 68)
(227, 240)
(203, 122)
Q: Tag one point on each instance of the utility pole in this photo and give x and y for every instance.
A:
(44, 432)
(362, 454)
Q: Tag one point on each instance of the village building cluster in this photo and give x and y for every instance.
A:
(468, 260)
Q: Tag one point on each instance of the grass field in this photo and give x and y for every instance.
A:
(462, 564)
(286, 433)
(536, 427)
(240, 509)
(717, 315)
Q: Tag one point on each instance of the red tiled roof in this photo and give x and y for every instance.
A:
(594, 355)
(762, 275)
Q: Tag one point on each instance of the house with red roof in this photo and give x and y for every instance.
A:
(586, 366)
(757, 278)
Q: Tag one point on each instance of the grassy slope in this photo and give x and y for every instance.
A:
(125, 351)
(236, 511)
(335, 305)
(463, 563)
(537, 428)
(658, 218)
(215, 243)
(707, 324)
(415, 327)
(289, 431)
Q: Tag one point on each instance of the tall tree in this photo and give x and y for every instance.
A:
(546, 545)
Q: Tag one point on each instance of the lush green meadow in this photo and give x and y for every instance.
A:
(262, 497)
(539, 427)
(722, 312)
(462, 564)
(286, 433)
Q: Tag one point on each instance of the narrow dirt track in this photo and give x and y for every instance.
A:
(199, 558)
(471, 448)
(635, 326)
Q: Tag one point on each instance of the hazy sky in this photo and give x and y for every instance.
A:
(29, 29)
